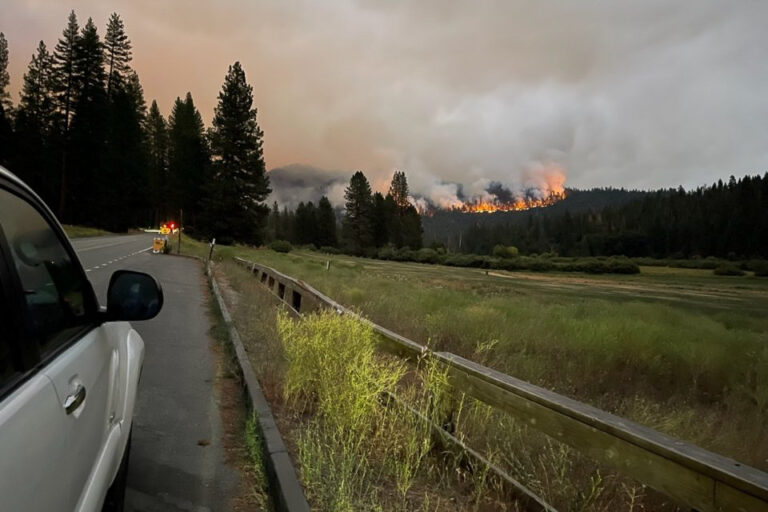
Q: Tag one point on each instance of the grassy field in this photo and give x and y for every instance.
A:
(683, 351)
(83, 231)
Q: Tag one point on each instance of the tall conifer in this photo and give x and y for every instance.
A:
(239, 183)
(356, 226)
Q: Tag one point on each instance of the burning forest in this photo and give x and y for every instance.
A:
(543, 187)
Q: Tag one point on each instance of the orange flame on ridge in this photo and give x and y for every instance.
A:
(519, 204)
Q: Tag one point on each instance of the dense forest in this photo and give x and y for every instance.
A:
(370, 221)
(726, 220)
(82, 137)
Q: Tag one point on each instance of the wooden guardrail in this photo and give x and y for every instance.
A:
(690, 475)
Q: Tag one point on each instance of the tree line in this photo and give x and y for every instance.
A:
(82, 137)
(370, 220)
(725, 220)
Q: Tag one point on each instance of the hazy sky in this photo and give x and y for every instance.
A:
(624, 93)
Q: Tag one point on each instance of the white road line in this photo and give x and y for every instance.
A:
(117, 259)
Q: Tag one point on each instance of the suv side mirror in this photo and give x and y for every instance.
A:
(133, 296)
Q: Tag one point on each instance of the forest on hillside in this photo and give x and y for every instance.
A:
(726, 220)
(82, 137)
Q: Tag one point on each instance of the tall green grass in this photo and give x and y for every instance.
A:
(681, 360)
(356, 451)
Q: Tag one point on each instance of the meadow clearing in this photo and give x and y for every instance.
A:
(682, 351)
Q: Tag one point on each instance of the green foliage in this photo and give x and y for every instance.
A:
(238, 184)
(426, 256)
(601, 339)
(281, 246)
(305, 223)
(254, 444)
(467, 260)
(386, 253)
(188, 161)
(83, 231)
(36, 127)
(724, 220)
(760, 268)
(398, 190)
(357, 443)
(728, 269)
(331, 364)
(356, 225)
(501, 251)
(157, 164)
(82, 139)
(326, 224)
(5, 78)
(329, 249)
(117, 48)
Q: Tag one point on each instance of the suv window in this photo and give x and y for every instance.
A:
(54, 289)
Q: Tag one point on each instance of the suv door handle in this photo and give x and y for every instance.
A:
(75, 400)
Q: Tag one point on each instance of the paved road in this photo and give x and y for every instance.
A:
(177, 406)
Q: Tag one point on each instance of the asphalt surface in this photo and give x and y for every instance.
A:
(177, 460)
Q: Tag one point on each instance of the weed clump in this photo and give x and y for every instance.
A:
(728, 269)
(360, 449)
(281, 246)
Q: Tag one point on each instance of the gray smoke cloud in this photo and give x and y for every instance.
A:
(297, 183)
(460, 94)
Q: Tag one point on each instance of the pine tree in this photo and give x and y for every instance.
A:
(5, 78)
(127, 160)
(305, 224)
(398, 189)
(88, 133)
(405, 225)
(157, 149)
(64, 66)
(117, 49)
(38, 98)
(65, 80)
(273, 223)
(36, 128)
(412, 230)
(239, 183)
(6, 132)
(188, 161)
(380, 220)
(356, 225)
(326, 224)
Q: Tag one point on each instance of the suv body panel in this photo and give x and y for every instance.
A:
(53, 460)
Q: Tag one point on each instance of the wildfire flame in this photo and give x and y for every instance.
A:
(543, 185)
(519, 204)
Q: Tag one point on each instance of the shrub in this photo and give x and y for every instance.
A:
(728, 269)
(508, 264)
(386, 253)
(330, 250)
(501, 251)
(540, 265)
(759, 267)
(403, 254)
(623, 266)
(426, 256)
(466, 260)
(281, 246)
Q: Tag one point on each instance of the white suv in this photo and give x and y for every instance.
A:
(69, 369)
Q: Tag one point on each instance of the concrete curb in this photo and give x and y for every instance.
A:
(286, 490)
